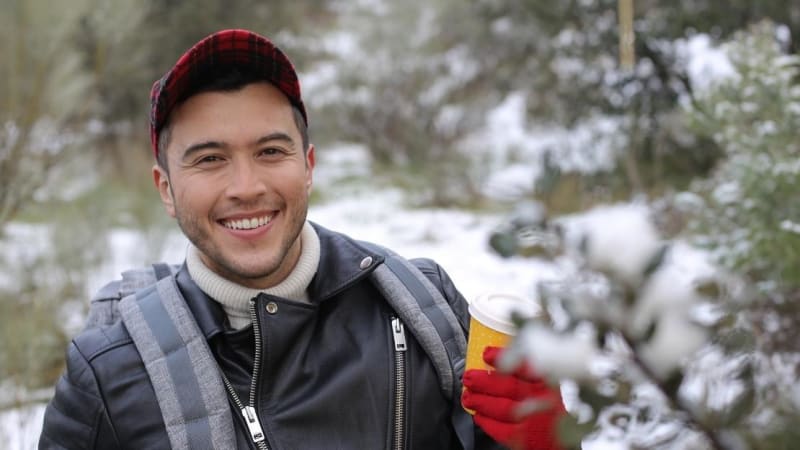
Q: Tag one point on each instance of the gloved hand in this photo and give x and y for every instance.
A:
(499, 401)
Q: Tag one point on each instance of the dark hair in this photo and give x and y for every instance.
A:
(224, 80)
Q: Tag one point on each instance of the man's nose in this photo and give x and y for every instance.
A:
(245, 182)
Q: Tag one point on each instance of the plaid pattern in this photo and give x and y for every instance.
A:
(228, 47)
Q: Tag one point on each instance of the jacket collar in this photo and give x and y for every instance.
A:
(342, 262)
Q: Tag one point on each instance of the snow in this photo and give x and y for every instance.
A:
(519, 148)
(619, 239)
(457, 240)
(707, 64)
(789, 226)
(20, 428)
(675, 339)
(667, 299)
(22, 244)
(547, 348)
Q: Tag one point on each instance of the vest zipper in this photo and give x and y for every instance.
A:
(249, 412)
(398, 332)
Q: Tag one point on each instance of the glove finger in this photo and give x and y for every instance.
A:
(490, 355)
(503, 385)
(540, 432)
(496, 408)
(500, 431)
(525, 371)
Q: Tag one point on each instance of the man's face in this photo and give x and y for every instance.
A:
(238, 182)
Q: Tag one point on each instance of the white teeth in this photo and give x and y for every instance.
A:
(247, 224)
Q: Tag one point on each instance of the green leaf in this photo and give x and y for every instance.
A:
(571, 433)
(504, 243)
(737, 340)
(583, 245)
(595, 399)
(602, 334)
(650, 332)
(673, 383)
(710, 289)
(656, 261)
(519, 320)
(740, 408)
(629, 295)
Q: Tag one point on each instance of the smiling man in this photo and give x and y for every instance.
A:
(236, 176)
(275, 333)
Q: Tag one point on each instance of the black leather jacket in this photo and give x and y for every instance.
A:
(326, 371)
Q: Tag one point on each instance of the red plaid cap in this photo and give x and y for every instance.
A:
(240, 48)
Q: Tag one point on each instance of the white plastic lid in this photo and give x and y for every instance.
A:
(496, 310)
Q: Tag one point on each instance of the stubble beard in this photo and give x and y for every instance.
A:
(216, 260)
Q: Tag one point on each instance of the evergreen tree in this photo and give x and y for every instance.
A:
(750, 215)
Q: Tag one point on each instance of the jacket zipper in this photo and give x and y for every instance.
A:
(398, 332)
(249, 412)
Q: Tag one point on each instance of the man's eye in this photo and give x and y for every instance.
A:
(209, 159)
(271, 151)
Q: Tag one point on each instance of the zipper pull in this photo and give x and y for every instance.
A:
(399, 335)
(256, 433)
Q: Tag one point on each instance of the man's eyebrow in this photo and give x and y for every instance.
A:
(194, 148)
(276, 136)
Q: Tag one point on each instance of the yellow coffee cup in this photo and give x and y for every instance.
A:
(491, 324)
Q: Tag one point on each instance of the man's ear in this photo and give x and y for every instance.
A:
(161, 179)
(311, 161)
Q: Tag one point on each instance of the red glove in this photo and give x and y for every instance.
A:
(498, 400)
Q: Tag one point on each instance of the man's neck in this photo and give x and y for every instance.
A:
(235, 298)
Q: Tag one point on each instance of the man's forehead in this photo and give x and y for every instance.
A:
(257, 102)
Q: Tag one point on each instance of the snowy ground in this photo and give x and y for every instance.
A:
(20, 428)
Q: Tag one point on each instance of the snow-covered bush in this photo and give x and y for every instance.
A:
(630, 328)
(752, 217)
(690, 342)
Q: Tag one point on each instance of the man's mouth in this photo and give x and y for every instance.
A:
(247, 223)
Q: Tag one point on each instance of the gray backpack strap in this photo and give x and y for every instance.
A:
(162, 270)
(103, 306)
(423, 309)
(103, 309)
(180, 365)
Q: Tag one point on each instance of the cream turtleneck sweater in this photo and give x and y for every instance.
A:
(235, 298)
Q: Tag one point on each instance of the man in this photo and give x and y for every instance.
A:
(301, 338)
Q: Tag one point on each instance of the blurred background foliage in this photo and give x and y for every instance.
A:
(740, 210)
(414, 82)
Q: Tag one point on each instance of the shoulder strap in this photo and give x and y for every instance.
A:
(179, 364)
(103, 309)
(431, 320)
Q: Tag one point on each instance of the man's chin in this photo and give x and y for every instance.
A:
(256, 277)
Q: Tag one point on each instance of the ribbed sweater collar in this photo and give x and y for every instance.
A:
(235, 298)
